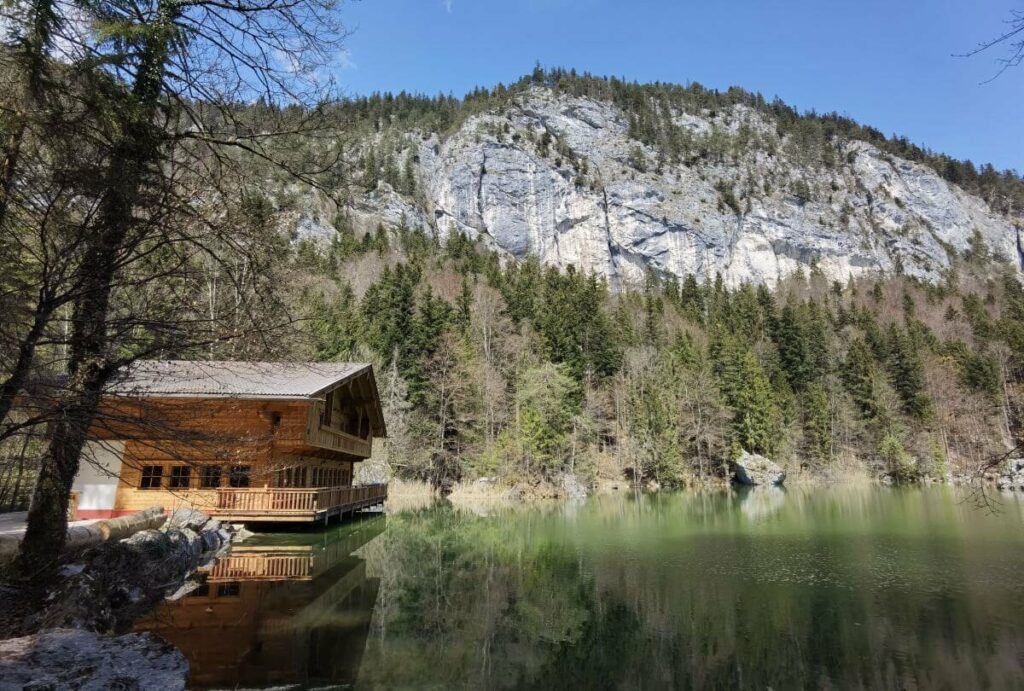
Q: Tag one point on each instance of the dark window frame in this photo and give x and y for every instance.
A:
(240, 476)
(215, 472)
(328, 411)
(150, 479)
(180, 474)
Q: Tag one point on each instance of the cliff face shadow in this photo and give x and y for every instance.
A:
(289, 609)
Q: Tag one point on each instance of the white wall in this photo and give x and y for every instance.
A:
(98, 473)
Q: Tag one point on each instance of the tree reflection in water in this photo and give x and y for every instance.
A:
(837, 588)
(840, 588)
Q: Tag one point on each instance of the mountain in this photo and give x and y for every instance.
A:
(619, 178)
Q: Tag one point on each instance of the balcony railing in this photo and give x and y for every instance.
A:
(263, 567)
(280, 504)
(336, 440)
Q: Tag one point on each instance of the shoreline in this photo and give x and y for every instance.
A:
(406, 494)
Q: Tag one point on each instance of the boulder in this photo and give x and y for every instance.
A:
(753, 469)
(87, 661)
(212, 540)
(212, 525)
(188, 518)
(1013, 479)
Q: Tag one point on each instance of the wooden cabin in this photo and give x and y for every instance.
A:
(244, 441)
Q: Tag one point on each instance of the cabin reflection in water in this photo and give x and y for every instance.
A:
(294, 610)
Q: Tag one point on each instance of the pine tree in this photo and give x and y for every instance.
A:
(334, 325)
(858, 376)
(757, 422)
(391, 174)
(907, 373)
(388, 309)
(817, 422)
(409, 175)
(756, 425)
(371, 175)
(463, 315)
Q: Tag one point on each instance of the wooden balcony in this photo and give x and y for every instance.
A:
(263, 567)
(307, 556)
(336, 440)
(273, 504)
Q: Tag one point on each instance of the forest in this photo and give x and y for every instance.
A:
(492, 368)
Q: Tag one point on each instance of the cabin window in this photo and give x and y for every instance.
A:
(151, 476)
(201, 591)
(232, 589)
(180, 476)
(328, 410)
(351, 424)
(292, 477)
(210, 477)
(239, 476)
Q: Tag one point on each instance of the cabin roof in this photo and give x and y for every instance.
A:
(233, 379)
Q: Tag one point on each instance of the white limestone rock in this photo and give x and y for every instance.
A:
(753, 469)
(869, 212)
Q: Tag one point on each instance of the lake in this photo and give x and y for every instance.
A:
(842, 587)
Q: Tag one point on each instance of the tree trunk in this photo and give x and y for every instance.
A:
(90, 365)
(48, 513)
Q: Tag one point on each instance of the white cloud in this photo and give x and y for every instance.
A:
(345, 61)
(448, 5)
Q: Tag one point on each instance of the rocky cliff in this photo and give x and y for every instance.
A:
(561, 177)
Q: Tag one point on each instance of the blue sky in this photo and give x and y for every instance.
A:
(886, 63)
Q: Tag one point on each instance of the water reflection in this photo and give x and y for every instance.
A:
(289, 609)
(859, 588)
(758, 503)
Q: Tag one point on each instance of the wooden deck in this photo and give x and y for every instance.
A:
(276, 505)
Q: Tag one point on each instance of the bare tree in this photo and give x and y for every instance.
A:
(1011, 38)
(167, 84)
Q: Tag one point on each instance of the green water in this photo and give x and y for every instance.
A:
(845, 588)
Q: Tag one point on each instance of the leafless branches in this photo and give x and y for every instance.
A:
(133, 133)
(1012, 38)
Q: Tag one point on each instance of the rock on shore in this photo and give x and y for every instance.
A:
(87, 661)
(752, 469)
(1013, 479)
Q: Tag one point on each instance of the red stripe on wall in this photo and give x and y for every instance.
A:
(86, 514)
